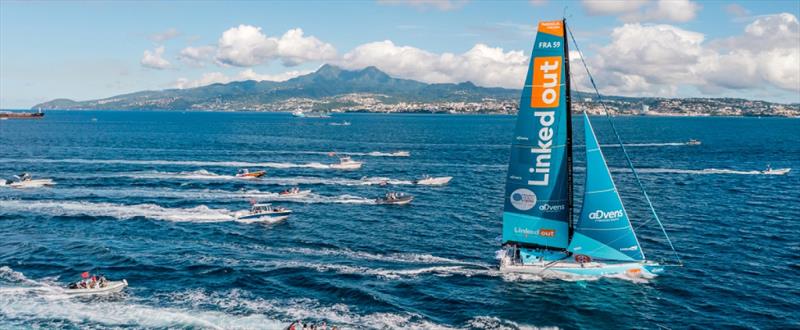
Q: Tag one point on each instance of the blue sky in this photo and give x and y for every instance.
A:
(671, 48)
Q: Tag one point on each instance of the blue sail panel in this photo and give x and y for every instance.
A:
(537, 193)
(603, 230)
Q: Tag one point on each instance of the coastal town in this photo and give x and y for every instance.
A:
(368, 102)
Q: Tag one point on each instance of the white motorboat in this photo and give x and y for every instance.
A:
(394, 198)
(294, 192)
(693, 142)
(347, 163)
(25, 180)
(298, 114)
(775, 171)
(264, 213)
(433, 181)
(104, 287)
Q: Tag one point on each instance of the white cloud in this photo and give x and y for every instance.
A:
(644, 11)
(482, 64)
(658, 59)
(247, 74)
(155, 59)
(443, 5)
(294, 48)
(246, 46)
(165, 35)
(612, 7)
(197, 56)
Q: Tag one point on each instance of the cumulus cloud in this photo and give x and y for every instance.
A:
(247, 74)
(197, 56)
(483, 65)
(155, 59)
(658, 59)
(247, 46)
(443, 5)
(642, 10)
(163, 36)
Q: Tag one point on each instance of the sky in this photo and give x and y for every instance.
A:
(663, 48)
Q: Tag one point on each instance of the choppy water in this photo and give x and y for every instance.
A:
(149, 196)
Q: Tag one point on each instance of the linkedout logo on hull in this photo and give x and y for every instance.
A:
(603, 216)
(523, 199)
(541, 232)
(545, 93)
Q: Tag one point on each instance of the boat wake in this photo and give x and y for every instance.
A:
(203, 175)
(38, 302)
(703, 171)
(654, 144)
(42, 305)
(280, 165)
(124, 212)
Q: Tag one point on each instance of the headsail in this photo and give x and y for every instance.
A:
(537, 196)
(603, 230)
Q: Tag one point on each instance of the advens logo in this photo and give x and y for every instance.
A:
(601, 215)
(523, 199)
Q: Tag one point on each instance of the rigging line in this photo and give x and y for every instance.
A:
(624, 151)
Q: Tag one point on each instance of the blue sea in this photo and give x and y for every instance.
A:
(150, 197)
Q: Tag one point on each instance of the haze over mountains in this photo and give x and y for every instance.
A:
(331, 88)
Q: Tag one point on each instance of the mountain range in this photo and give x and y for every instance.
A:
(332, 88)
(327, 81)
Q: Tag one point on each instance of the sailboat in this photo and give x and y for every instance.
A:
(539, 236)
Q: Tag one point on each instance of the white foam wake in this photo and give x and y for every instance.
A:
(42, 303)
(702, 172)
(283, 165)
(654, 144)
(37, 302)
(203, 175)
(151, 211)
(207, 194)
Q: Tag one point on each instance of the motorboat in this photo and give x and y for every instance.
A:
(245, 173)
(693, 142)
(394, 198)
(347, 163)
(294, 192)
(25, 180)
(428, 180)
(95, 287)
(265, 213)
(298, 114)
(775, 171)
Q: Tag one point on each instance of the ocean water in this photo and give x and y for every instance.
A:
(149, 197)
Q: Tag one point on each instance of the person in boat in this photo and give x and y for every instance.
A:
(244, 171)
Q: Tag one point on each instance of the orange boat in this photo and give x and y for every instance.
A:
(244, 173)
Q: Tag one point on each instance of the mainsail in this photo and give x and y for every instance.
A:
(538, 187)
(603, 230)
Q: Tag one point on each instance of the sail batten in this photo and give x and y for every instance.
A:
(537, 195)
(603, 230)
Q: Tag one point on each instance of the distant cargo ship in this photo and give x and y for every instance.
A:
(22, 115)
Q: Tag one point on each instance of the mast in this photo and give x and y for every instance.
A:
(569, 132)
